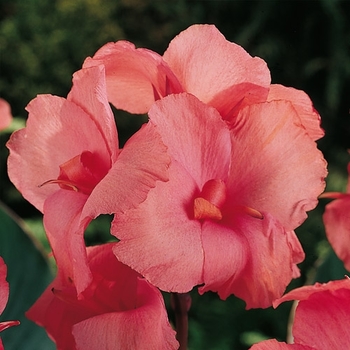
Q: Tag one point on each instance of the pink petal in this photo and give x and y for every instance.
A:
(279, 168)
(135, 77)
(65, 231)
(158, 239)
(4, 286)
(263, 255)
(273, 344)
(195, 135)
(206, 64)
(309, 117)
(146, 327)
(89, 93)
(8, 324)
(322, 315)
(142, 162)
(57, 130)
(5, 114)
(337, 224)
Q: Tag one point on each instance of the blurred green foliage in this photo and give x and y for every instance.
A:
(306, 44)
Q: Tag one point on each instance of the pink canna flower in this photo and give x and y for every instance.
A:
(337, 222)
(202, 62)
(68, 164)
(118, 310)
(225, 218)
(321, 318)
(5, 114)
(4, 295)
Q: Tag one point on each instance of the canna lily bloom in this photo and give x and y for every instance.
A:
(225, 218)
(118, 310)
(68, 164)
(5, 114)
(321, 320)
(202, 62)
(336, 219)
(4, 295)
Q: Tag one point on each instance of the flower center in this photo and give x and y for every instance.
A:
(81, 173)
(210, 201)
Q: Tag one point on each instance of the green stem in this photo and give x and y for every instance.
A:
(181, 303)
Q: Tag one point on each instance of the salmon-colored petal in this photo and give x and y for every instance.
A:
(158, 238)
(265, 267)
(89, 93)
(279, 168)
(5, 114)
(273, 344)
(135, 77)
(57, 130)
(142, 162)
(309, 117)
(322, 315)
(195, 136)
(65, 232)
(143, 328)
(337, 224)
(206, 63)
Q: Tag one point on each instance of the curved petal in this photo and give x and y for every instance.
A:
(206, 63)
(159, 240)
(268, 259)
(322, 319)
(5, 114)
(309, 117)
(135, 77)
(65, 232)
(57, 130)
(195, 135)
(4, 286)
(142, 162)
(273, 344)
(336, 219)
(145, 327)
(276, 167)
(89, 92)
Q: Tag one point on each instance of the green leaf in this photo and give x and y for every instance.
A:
(28, 274)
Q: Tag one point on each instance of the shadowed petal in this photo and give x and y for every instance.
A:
(309, 117)
(273, 344)
(337, 223)
(135, 77)
(5, 114)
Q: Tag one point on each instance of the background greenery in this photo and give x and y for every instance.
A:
(306, 44)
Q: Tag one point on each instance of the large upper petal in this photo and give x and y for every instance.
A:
(249, 257)
(65, 232)
(159, 239)
(90, 93)
(195, 135)
(322, 315)
(135, 77)
(336, 219)
(206, 65)
(309, 117)
(141, 163)
(57, 130)
(276, 167)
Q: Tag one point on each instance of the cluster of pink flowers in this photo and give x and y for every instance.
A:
(206, 194)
